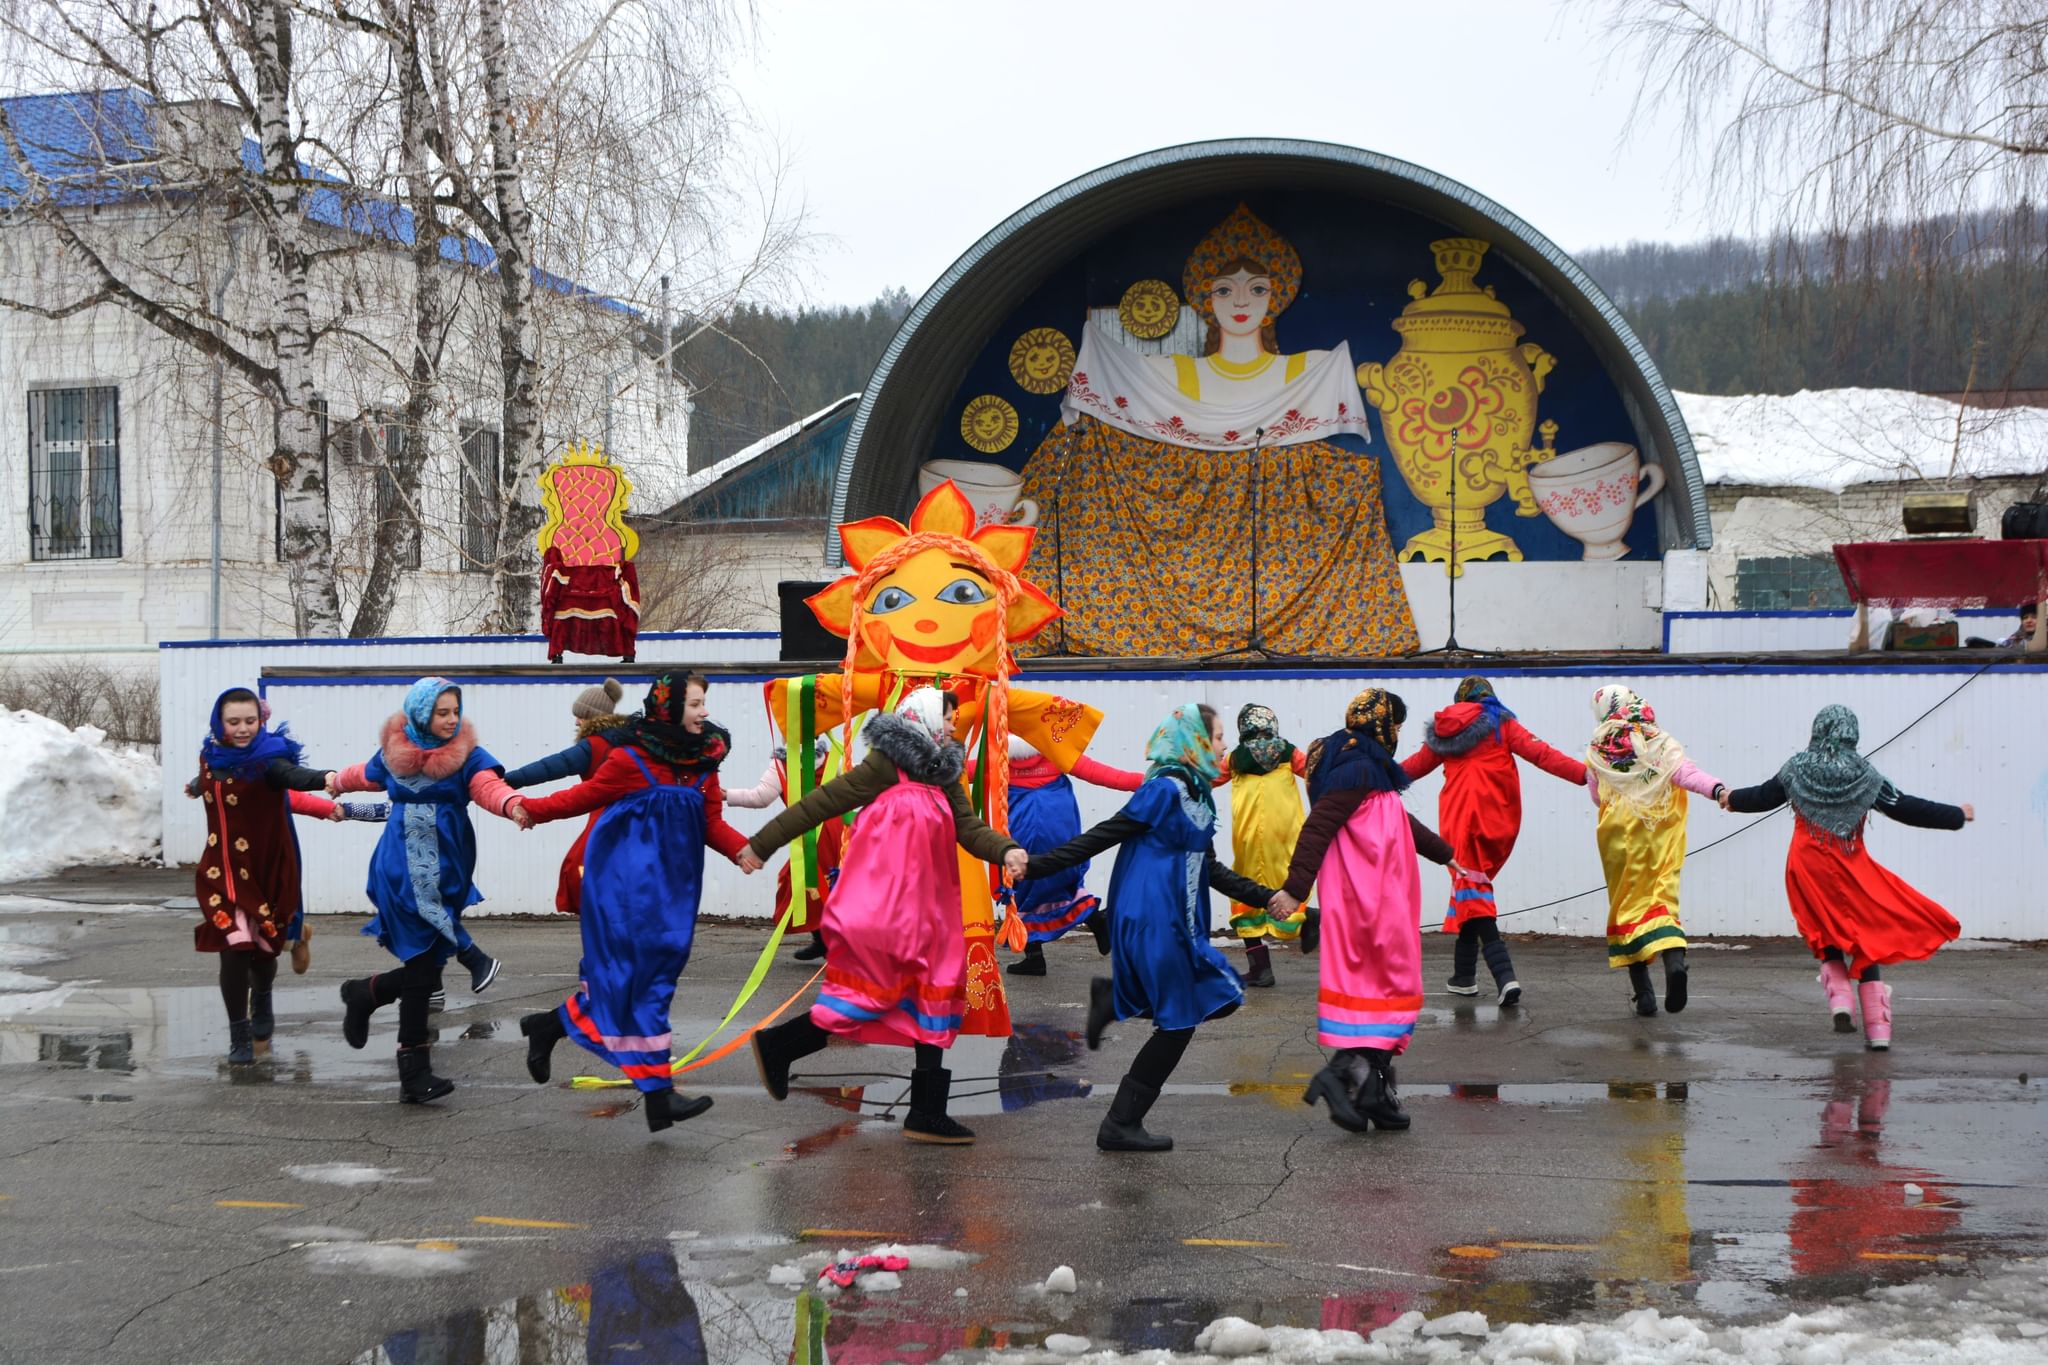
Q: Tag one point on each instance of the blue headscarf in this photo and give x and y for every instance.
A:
(1182, 741)
(253, 759)
(419, 710)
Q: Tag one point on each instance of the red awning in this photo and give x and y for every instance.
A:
(1945, 573)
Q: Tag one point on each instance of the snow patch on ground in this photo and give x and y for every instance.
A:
(11, 981)
(349, 1173)
(14, 1006)
(802, 1272)
(68, 798)
(376, 1258)
(1833, 438)
(40, 905)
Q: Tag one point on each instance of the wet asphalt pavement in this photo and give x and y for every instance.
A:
(1567, 1160)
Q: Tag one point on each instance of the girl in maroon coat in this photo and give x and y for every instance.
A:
(1477, 740)
(252, 782)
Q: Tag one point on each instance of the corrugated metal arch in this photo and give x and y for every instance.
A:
(900, 410)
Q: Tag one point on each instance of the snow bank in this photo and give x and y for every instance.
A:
(68, 798)
(1833, 438)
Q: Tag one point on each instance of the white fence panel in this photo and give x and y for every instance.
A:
(1770, 632)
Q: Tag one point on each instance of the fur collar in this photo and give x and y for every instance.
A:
(914, 752)
(1460, 728)
(597, 725)
(407, 759)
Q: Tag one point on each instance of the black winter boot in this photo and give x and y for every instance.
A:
(1260, 959)
(1123, 1129)
(665, 1108)
(262, 1023)
(1503, 968)
(1333, 1086)
(1377, 1099)
(1674, 980)
(543, 1031)
(240, 1052)
(483, 968)
(417, 1083)
(1464, 966)
(1101, 1010)
(1640, 990)
(814, 951)
(358, 1004)
(1031, 964)
(1098, 925)
(927, 1121)
(1311, 929)
(777, 1049)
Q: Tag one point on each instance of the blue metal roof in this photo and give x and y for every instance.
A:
(91, 147)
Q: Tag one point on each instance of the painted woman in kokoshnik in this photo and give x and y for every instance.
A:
(1153, 491)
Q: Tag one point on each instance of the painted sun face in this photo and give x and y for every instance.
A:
(988, 423)
(1042, 362)
(933, 614)
(1148, 309)
(1240, 302)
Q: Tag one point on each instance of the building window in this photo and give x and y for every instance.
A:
(480, 473)
(392, 438)
(1789, 583)
(277, 524)
(74, 473)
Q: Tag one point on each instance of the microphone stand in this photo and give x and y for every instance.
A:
(1450, 644)
(1255, 644)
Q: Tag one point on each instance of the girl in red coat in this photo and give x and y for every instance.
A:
(657, 805)
(1477, 740)
(595, 711)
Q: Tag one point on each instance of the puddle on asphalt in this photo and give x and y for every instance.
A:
(1725, 1202)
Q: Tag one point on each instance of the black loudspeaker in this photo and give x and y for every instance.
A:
(803, 639)
(2024, 521)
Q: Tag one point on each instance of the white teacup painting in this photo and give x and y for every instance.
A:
(997, 493)
(1592, 493)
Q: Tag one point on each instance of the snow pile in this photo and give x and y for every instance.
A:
(67, 798)
(1833, 438)
(2001, 1319)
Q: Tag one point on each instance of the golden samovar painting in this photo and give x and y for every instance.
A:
(1461, 383)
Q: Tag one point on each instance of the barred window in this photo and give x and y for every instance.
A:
(480, 473)
(1789, 583)
(74, 473)
(392, 438)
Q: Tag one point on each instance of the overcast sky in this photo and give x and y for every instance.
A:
(914, 128)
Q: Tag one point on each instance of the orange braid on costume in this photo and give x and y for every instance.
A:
(996, 715)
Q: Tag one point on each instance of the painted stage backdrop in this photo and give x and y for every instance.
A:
(1342, 382)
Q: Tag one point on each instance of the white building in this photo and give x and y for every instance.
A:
(113, 431)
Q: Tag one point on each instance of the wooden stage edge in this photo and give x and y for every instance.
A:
(1620, 662)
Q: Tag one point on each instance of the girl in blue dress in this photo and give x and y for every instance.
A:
(422, 873)
(1162, 966)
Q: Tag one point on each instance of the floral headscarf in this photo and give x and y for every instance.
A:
(1633, 759)
(1260, 749)
(925, 707)
(1830, 784)
(1362, 753)
(1476, 688)
(1182, 741)
(659, 727)
(420, 700)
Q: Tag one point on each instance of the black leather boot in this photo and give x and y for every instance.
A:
(1101, 1010)
(357, 1004)
(543, 1031)
(417, 1083)
(1333, 1086)
(814, 951)
(927, 1121)
(1031, 964)
(1123, 1129)
(1503, 968)
(666, 1108)
(1260, 959)
(1640, 990)
(240, 1051)
(1377, 1099)
(1674, 980)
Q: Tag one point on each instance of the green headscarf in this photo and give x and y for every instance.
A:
(1830, 784)
(1260, 749)
(1182, 741)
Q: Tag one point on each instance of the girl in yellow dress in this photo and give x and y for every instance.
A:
(1265, 818)
(1638, 776)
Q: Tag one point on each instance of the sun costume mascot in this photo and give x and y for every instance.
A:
(944, 603)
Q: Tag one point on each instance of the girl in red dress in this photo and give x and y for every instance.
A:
(1852, 910)
(1477, 740)
(596, 712)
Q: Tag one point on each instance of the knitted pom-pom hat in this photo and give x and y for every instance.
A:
(592, 702)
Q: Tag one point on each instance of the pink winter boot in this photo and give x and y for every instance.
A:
(1877, 1014)
(1834, 979)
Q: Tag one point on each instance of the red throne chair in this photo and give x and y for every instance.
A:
(589, 590)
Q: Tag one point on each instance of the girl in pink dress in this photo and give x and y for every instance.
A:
(896, 948)
(1364, 842)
